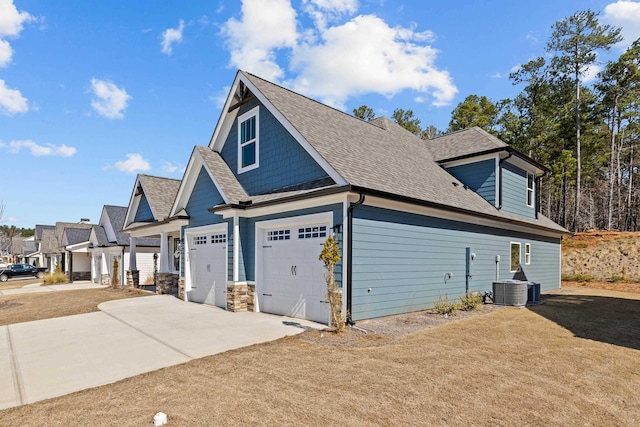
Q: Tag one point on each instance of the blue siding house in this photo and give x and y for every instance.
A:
(415, 220)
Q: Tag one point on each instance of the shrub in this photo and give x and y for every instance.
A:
(115, 281)
(446, 307)
(330, 256)
(470, 301)
(577, 277)
(615, 278)
(55, 277)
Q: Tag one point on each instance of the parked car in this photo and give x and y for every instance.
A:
(19, 270)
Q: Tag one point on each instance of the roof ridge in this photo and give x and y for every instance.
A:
(307, 97)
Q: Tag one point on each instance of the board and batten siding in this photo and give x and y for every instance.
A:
(400, 260)
(282, 161)
(143, 213)
(248, 259)
(514, 191)
(478, 176)
(204, 196)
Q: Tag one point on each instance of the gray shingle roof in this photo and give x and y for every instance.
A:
(224, 176)
(41, 228)
(160, 193)
(48, 243)
(73, 236)
(463, 143)
(116, 216)
(61, 226)
(380, 156)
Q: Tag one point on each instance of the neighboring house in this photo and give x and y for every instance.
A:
(147, 216)
(16, 250)
(43, 236)
(107, 242)
(75, 242)
(415, 220)
(54, 247)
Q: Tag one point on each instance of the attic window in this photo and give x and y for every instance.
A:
(248, 141)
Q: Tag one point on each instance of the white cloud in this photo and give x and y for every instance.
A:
(171, 36)
(11, 24)
(134, 163)
(40, 150)
(366, 55)
(170, 168)
(264, 28)
(625, 14)
(497, 76)
(325, 11)
(11, 100)
(5, 53)
(332, 60)
(591, 73)
(110, 101)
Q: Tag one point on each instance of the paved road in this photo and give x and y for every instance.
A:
(53, 357)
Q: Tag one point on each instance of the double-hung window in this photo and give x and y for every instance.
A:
(248, 141)
(527, 253)
(515, 257)
(530, 189)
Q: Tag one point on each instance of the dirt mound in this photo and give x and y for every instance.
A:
(602, 256)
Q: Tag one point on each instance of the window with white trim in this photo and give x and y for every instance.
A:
(515, 257)
(530, 189)
(200, 240)
(219, 238)
(312, 232)
(527, 253)
(248, 140)
(274, 235)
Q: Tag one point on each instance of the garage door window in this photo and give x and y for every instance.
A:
(279, 235)
(312, 232)
(219, 238)
(200, 240)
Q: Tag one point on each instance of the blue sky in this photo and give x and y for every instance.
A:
(92, 93)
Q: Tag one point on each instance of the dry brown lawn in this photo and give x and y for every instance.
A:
(574, 360)
(17, 283)
(46, 305)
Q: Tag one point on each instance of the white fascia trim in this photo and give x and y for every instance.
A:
(455, 216)
(78, 247)
(524, 165)
(207, 228)
(283, 207)
(196, 162)
(133, 205)
(151, 231)
(470, 160)
(218, 142)
(226, 120)
(254, 112)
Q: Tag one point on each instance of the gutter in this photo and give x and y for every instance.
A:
(350, 209)
(512, 152)
(500, 180)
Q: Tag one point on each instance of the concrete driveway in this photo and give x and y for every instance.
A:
(53, 357)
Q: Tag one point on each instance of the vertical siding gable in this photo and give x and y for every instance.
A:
(514, 191)
(143, 213)
(478, 176)
(283, 162)
(400, 260)
(204, 195)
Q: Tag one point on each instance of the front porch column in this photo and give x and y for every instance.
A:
(133, 274)
(164, 253)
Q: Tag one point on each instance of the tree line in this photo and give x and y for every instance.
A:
(586, 132)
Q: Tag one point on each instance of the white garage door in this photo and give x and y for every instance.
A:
(292, 276)
(208, 267)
